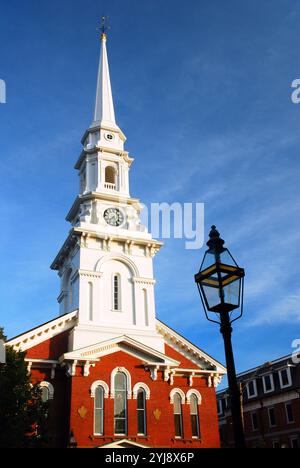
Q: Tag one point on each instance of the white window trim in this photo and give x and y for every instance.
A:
(288, 370)
(99, 383)
(192, 391)
(272, 383)
(136, 388)
(112, 381)
(286, 413)
(99, 433)
(181, 393)
(255, 389)
(50, 388)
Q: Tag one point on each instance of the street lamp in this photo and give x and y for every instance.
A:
(220, 283)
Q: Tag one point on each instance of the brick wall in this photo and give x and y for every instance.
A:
(73, 393)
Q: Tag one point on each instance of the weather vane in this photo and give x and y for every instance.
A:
(104, 27)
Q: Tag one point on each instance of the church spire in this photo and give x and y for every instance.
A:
(104, 106)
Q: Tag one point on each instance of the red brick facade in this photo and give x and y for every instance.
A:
(72, 408)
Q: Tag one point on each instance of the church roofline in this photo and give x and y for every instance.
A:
(192, 348)
(44, 331)
(69, 243)
(92, 352)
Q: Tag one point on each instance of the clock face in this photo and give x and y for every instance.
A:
(113, 217)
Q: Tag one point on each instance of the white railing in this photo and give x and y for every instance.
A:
(109, 186)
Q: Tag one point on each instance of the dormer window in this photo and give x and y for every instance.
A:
(252, 389)
(285, 377)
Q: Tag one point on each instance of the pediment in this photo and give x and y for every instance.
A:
(123, 444)
(123, 343)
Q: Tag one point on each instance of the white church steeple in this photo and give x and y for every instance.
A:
(104, 106)
(106, 263)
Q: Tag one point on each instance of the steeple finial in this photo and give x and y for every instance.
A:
(104, 107)
(104, 27)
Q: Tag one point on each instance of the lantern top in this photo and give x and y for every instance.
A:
(215, 243)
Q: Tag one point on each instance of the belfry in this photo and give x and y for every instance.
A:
(114, 374)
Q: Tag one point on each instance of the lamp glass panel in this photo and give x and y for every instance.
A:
(212, 296)
(232, 293)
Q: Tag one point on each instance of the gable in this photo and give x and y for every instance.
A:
(43, 333)
(185, 362)
(188, 350)
(123, 343)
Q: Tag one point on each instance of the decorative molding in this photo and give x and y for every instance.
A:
(191, 379)
(90, 274)
(99, 383)
(42, 333)
(61, 296)
(86, 368)
(112, 381)
(166, 374)
(181, 393)
(71, 368)
(119, 258)
(153, 372)
(136, 388)
(193, 391)
(192, 352)
(140, 280)
(216, 380)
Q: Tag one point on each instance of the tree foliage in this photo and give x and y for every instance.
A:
(23, 414)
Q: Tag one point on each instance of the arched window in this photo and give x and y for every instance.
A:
(194, 415)
(141, 411)
(116, 292)
(99, 410)
(45, 394)
(177, 415)
(47, 391)
(110, 175)
(120, 410)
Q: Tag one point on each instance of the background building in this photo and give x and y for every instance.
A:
(112, 372)
(270, 403)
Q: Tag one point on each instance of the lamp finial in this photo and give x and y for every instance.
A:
(215, 243)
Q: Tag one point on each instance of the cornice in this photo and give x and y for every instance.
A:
(100, 196)
(140, 280)
(67, 246)
(195, 354)
(43, 332)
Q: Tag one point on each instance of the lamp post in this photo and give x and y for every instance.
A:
(220, 282)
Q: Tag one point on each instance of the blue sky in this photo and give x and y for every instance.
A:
(202, 90)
